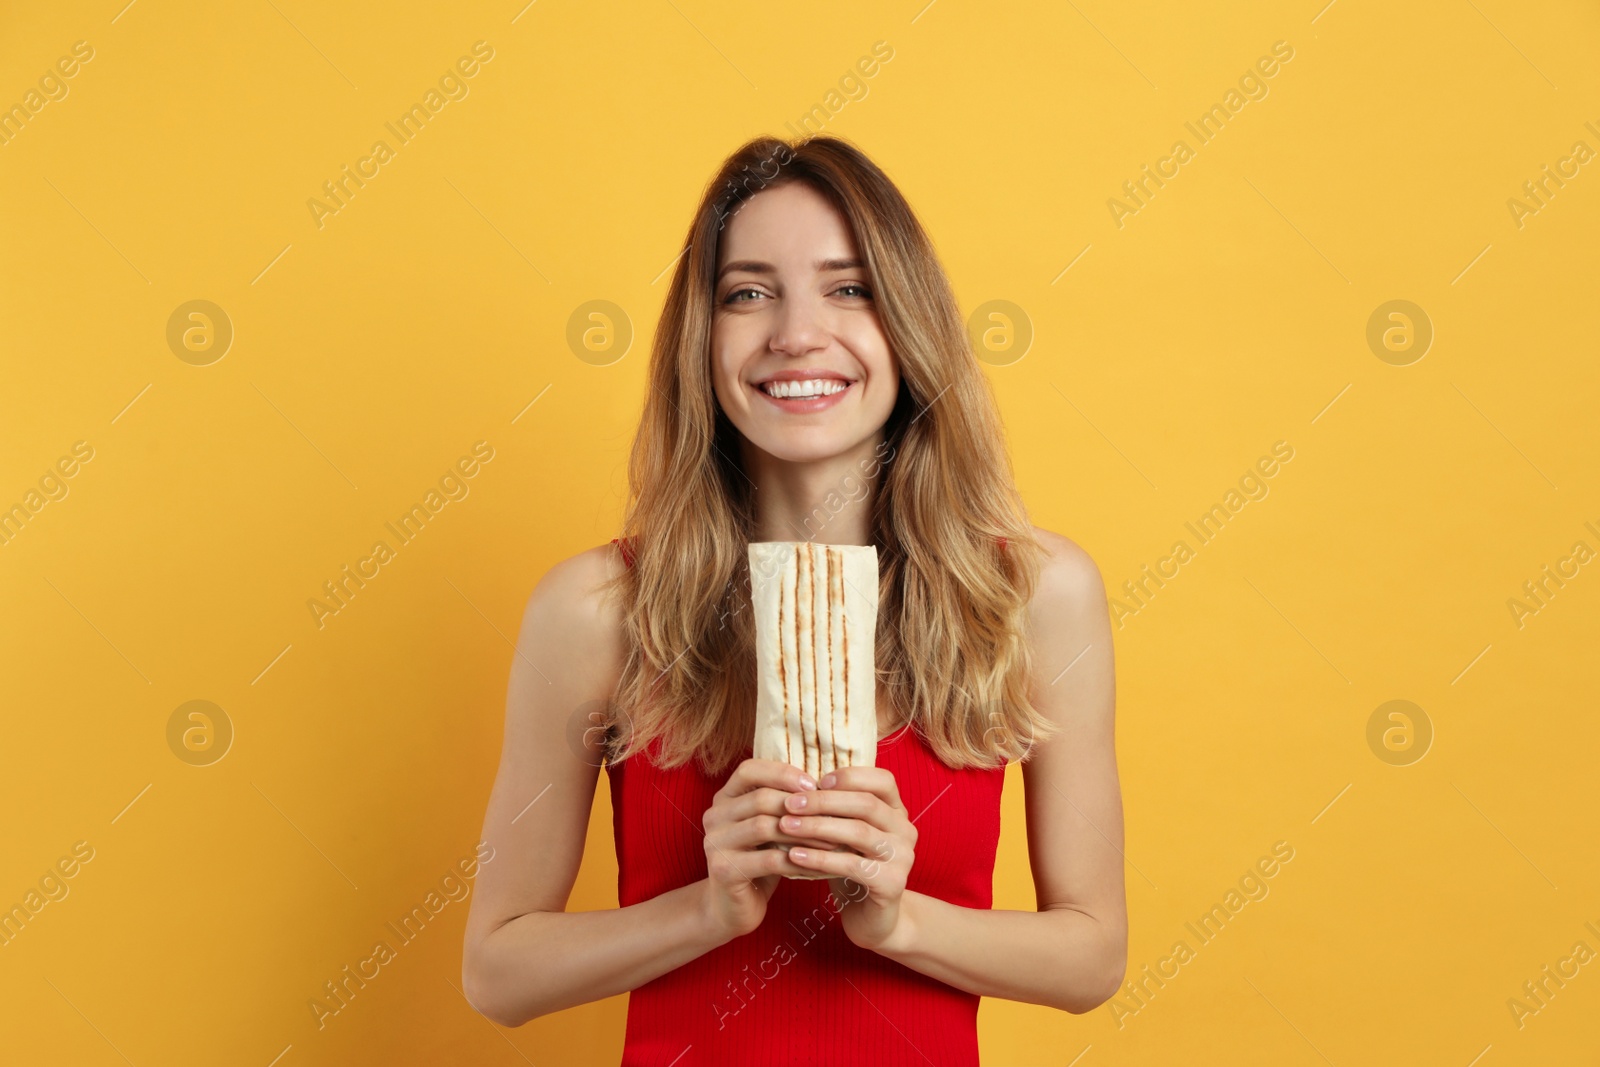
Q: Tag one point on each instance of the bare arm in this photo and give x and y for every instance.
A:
(1072, 952)
(524, 955)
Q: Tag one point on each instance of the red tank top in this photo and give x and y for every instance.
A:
(796, 990)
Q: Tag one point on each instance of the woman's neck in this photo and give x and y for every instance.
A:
(827, 501)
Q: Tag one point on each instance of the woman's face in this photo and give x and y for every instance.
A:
(793, 314)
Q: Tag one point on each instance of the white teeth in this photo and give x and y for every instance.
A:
(813, 387)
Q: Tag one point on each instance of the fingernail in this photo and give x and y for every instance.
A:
(807, 782)
(798, 854)
(790, 822)
(797, 801)
(828, 780)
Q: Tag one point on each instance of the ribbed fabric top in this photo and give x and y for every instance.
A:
(796, 990)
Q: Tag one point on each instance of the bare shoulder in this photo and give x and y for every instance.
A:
(1069, 621)
(1070, 589)
(572, 621)
(574, 584)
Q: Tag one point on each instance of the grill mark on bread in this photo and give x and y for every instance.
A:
(799, 663)
(783, 682)
(816, 682)
(832, 603)
(849, 750)
(803, 639)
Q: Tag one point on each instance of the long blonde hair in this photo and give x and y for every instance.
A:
(951, 651)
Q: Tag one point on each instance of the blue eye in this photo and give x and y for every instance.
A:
(859, 288)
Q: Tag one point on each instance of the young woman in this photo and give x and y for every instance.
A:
(811, 380)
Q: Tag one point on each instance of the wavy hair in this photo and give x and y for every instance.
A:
(957, 558)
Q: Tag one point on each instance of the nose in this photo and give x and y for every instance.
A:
(799, 327)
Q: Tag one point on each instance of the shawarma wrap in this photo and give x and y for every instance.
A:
(816, 614)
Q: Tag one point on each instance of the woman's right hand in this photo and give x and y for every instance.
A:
(741, 827)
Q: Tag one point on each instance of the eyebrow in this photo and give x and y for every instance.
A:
(756, 266)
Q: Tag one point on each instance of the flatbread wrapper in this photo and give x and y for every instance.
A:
(816, 615)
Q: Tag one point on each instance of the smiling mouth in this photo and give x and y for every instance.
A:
(804, 389)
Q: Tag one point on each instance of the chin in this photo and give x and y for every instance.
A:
(798, 449)
(804, 455)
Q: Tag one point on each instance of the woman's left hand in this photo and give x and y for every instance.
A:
(858, 808)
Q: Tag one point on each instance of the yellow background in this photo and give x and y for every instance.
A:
(369, 354)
